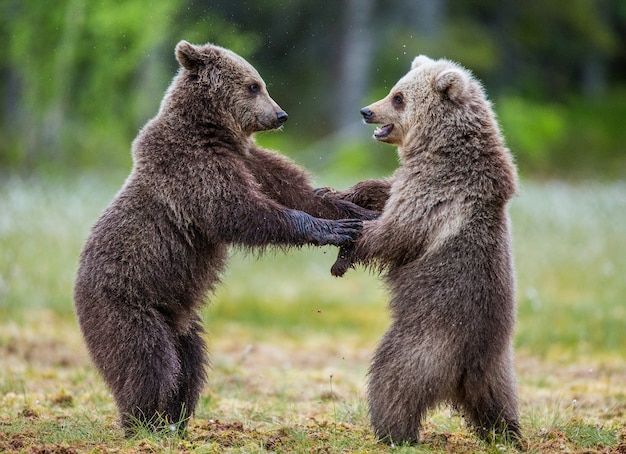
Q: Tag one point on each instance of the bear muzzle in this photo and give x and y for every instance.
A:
(368, 115)
(281, 117)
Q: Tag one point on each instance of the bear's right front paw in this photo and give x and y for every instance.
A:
(342, 263)
(340, 267)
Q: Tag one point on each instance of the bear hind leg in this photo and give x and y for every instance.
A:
(193, 362)
(400, 390)
(490, 407)
(142, 367)
(142, 400)
(491, 420)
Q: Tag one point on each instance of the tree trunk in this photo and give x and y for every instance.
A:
(354, 63)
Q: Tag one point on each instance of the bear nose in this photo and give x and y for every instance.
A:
(367, 113)
(282, 117)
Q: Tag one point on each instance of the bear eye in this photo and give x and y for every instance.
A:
(398, 100)
(254, 88)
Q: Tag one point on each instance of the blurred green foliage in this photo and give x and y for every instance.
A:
(79, 78)
(533, 127)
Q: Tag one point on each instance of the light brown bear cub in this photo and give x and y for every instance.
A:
(199, 183)
(444, 240)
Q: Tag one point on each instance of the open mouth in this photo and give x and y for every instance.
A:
(383, 131)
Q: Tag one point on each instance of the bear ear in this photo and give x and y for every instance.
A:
(420, 60)
(452, 83)
(193, 58)
(188, 56)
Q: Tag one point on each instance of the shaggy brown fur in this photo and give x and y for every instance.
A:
(198, 183)
(443, 239)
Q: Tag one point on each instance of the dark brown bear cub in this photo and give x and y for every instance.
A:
(198, 184)
(444, 241)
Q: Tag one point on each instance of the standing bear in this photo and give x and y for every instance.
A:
(444, 242)
(198, 184)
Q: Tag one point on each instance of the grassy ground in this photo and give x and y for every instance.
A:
(291, 345)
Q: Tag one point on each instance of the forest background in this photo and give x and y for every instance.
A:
(78, 79)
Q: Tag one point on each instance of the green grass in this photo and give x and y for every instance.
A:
(570, 248)
(291, 345)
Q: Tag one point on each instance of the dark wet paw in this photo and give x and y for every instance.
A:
(339, 268)
(338, 233)
(342, 263)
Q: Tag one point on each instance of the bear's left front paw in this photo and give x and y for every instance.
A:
(336, 232)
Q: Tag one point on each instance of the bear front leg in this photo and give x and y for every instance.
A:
(269, 224)
(352, 210)
(369, 194)
(320, 203)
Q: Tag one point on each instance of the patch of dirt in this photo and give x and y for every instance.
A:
(29, 412)
(451, 442)
(316, 436)
(52, 449)
(15, 442)
(63, 400)
(225, 433)
(49, 342)
(23, 442)
(621, 449)
(277, 440)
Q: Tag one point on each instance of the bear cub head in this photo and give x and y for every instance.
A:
(215, 86)
(428, 94)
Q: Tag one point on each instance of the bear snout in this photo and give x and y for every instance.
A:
(367, 114)
(281, 117)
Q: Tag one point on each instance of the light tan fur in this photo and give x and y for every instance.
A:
(444, 242)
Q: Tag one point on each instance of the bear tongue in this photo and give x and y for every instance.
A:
(383, 131)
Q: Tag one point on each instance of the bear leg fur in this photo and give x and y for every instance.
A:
(489, 402)
(193, 360)
(401, 389)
